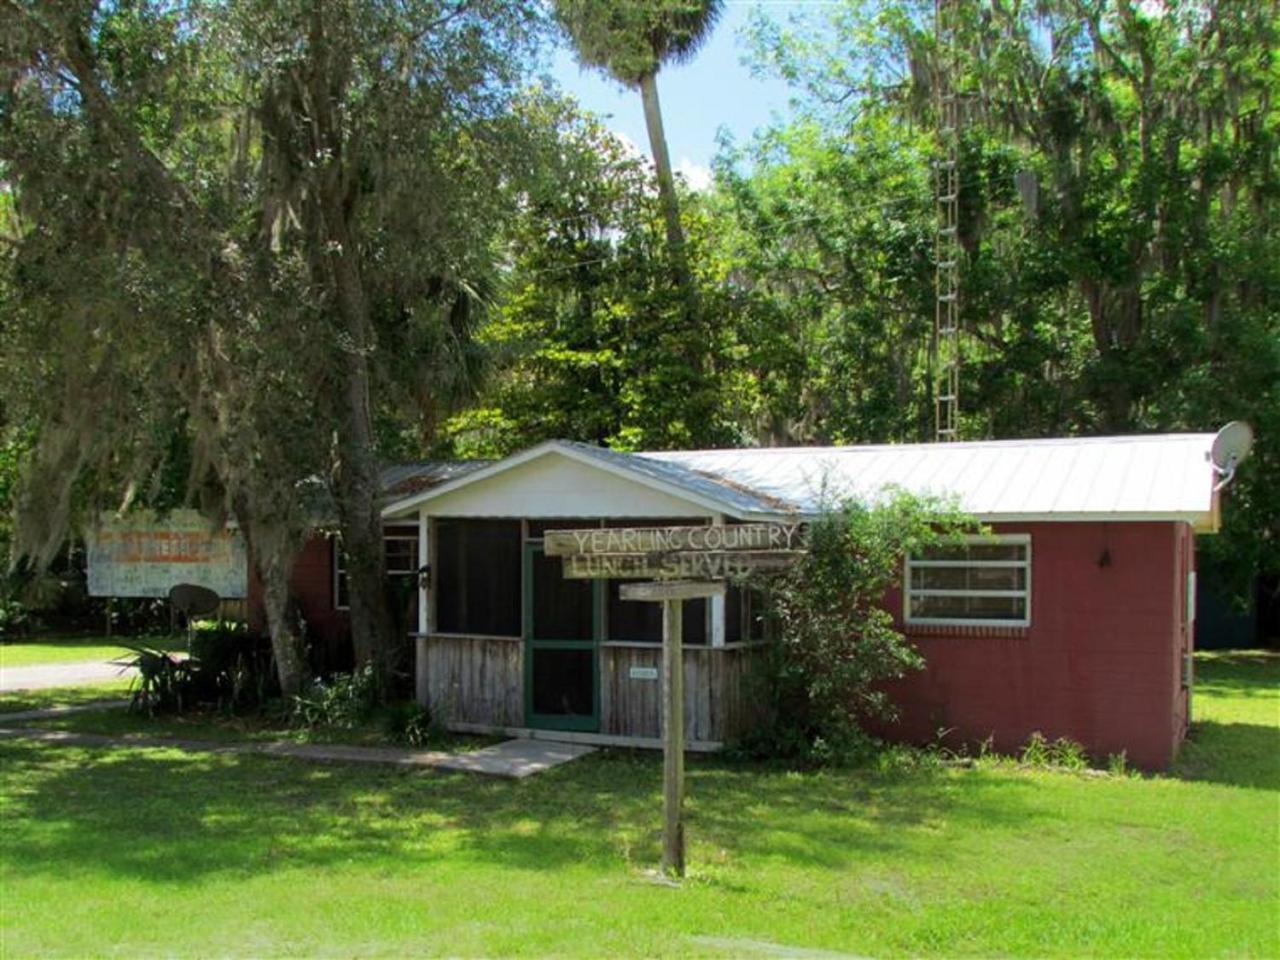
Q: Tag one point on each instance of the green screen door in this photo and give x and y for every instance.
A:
(561, 670)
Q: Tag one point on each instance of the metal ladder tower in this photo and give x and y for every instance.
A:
(946, 321)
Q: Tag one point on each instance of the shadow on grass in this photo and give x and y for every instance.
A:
(180, 818)
(1238, 673)
(1234, 688)
(1239, 754)
(117, 689)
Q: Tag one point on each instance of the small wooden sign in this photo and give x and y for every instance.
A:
(672, 596)
(682, 563)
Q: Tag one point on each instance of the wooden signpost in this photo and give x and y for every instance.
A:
(683, 563)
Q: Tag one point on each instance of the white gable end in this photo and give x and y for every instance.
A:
(555, 485)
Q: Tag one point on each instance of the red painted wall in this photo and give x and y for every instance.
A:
(312, 583)
(1100, 662)
(328, 629)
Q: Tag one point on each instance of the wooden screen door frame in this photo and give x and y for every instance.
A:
(542, 721)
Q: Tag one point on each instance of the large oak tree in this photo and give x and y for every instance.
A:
(239, 218)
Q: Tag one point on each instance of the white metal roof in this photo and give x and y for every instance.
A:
(1144, 477)
(1134, 477)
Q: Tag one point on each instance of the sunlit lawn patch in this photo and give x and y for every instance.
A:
(278, 857)
(28, 652)
(115, 689)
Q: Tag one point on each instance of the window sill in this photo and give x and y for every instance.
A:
(465, 636)
(965, 631)
(649, 645)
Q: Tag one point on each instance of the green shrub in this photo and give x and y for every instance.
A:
(233, 667)
(163, 684)
(229, 669)
(836, 646)
(345, 700)
(1062, 753)
(15, 619)
(410, 723)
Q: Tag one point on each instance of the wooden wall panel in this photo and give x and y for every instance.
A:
(630, 708)
(476, 680)
(713, 696)
(480, 681)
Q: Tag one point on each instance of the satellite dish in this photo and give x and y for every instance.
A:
(1230, 448)
(191, 600)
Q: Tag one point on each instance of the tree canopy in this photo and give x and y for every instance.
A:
(282, 215)
(291, 240)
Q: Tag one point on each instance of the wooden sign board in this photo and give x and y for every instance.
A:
(143, 555)
(672, 596)
(671, 590)
(732, 538)
(684, 563)
(675, 566)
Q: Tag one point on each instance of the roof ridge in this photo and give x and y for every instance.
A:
(955, 444)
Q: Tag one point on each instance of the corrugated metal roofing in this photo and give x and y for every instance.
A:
(1135, 476)
(401, 479)
(719, 489)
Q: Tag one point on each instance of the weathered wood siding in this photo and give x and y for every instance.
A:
(479, 681)
(476, 680)
(714, 704)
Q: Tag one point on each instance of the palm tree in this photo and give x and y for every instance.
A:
(630, 41)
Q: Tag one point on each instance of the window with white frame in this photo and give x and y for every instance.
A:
(401, 546)
(985, 581)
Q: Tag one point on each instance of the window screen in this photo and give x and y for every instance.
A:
(478, 577)
(985, 581)
(640, 621)
(744, 614)
(564, 682)
(400, 544)
(563, 609)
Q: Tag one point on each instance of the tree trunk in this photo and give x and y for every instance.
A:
(356, 486)
(356, 483)
(274, 549)
(700, 400)
(666, 183)
(1115, 317)
(357, 494)
(288, 646)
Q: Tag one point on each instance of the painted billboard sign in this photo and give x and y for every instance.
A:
(143, 555)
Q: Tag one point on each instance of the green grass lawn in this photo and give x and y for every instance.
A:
(216, 726)
(113, 689)
(30, 652)
(252, 855)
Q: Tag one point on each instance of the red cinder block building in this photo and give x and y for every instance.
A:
(1075, 620)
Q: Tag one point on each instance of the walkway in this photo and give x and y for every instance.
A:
(513, 759)
(46, 675)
